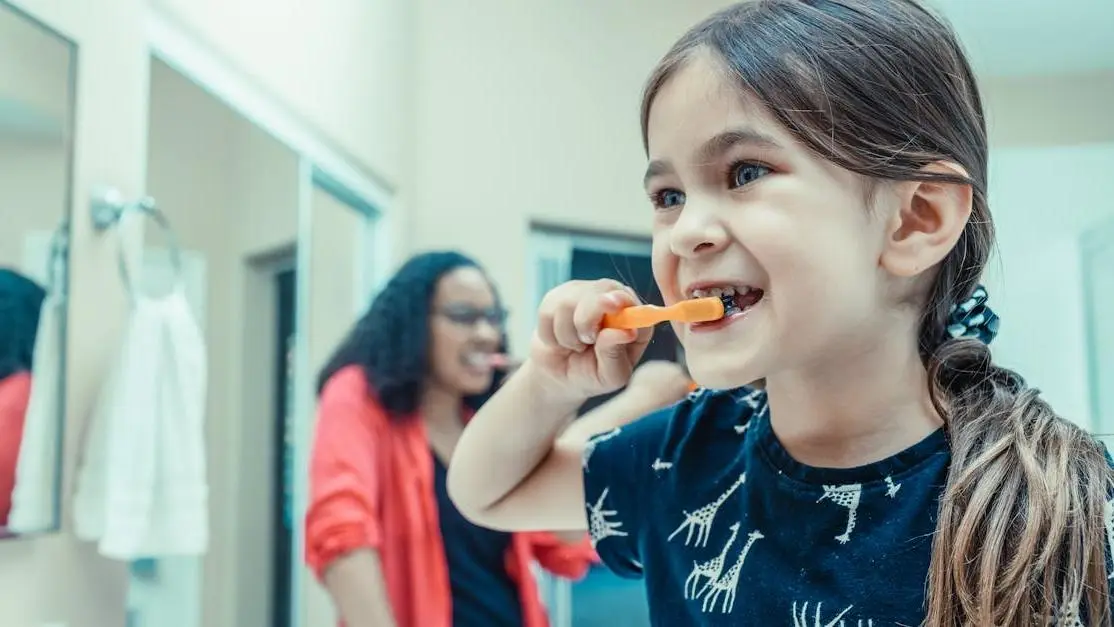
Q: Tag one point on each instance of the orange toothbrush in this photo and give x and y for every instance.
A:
(643, 316)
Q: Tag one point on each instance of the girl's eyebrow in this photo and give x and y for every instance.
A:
(714, 148)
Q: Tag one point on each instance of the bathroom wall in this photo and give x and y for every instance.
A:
(1044, 198)
(231, 193)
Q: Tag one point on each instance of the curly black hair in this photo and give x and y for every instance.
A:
(390, 343)
(21, 302)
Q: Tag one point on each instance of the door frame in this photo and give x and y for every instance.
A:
(1092, 243)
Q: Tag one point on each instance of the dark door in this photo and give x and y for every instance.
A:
(283, 497)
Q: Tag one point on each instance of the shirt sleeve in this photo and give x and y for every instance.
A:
(569, 560)
(617, 471)
(343, 513)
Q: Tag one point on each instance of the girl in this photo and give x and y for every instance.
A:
(380, 530)
(823, 163)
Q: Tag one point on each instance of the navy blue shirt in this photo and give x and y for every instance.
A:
(483, 594)
(703, 501)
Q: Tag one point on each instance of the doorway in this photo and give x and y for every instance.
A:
(559, 255)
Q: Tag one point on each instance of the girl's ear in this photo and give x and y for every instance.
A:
(930, 218)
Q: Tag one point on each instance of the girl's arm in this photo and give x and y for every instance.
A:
(508, 470)
(552, 494)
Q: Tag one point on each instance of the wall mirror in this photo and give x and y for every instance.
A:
(37, 82)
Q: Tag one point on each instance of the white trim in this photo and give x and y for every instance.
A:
(171, 44)
(303, 385)
(612, 245)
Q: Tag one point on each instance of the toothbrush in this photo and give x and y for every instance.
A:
(643, 316)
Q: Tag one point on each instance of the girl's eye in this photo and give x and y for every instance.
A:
(744, 173)
(667, 199)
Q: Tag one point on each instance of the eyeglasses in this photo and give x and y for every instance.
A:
(467, 316)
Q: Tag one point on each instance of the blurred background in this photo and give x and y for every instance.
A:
(299, 151)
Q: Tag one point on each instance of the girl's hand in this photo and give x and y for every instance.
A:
(577, 358)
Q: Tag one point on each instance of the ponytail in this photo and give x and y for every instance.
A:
(1021, 532)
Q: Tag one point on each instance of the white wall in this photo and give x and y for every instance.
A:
(1043, 199)
(340, 64)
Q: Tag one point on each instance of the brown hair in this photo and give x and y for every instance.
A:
(882, 88)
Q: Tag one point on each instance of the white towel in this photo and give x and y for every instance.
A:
(36, 478)
(141, 490)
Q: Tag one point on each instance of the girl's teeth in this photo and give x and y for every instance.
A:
(719, 291)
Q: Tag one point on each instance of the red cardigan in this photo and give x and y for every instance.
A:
(15, 394)
(371, 486)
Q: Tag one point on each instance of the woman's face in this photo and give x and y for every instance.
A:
(466, 325)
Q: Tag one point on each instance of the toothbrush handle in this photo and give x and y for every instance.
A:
(639, 317)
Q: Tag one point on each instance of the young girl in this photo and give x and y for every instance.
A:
(824, 163)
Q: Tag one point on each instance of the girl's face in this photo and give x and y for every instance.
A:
(466, 326)
(739, 204)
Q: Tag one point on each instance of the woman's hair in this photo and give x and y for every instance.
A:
(390, 343)
(882, 88)
(21, 302)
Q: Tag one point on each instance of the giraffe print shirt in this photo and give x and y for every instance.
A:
(702, 501)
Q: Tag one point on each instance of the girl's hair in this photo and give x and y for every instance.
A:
(882, 88)
(390, 343)
(21, 302)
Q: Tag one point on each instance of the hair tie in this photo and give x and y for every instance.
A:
(973, 318)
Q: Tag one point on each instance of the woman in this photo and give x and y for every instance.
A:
(380, 531)
(21, 301)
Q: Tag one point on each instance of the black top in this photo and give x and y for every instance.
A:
(702, 501)
(484, 595)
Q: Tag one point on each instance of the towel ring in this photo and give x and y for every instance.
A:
(108, 208)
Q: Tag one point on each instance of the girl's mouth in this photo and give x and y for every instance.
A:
(737, 300)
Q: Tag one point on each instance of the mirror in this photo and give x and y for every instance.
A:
(37, 72)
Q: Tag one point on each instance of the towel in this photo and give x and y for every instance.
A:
(141, 490)
(34, 502)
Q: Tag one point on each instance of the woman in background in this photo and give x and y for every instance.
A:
(381, 532)
(21, 301)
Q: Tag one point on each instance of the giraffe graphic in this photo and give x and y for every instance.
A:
(599, 527)
(891, 487)
(844, 496)
(752, 399)
(659, 465)
(1108, 517)
(728, 583)
(700, 521)
(695, 395)
(742, 428)
(801, 619)
(590, 445)
(710, 569)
